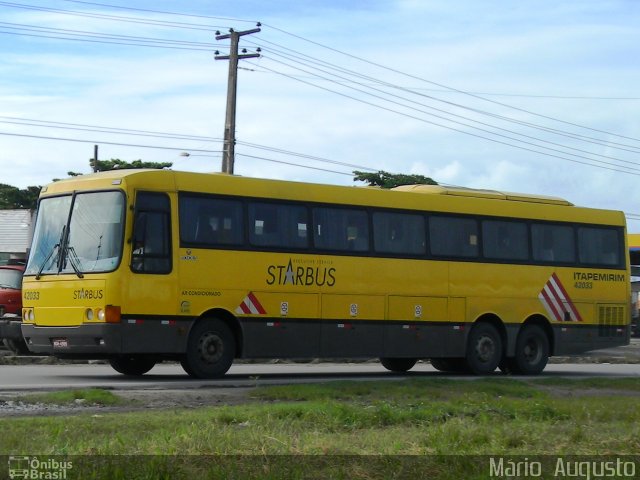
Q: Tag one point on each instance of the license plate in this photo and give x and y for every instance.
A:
(60, 343)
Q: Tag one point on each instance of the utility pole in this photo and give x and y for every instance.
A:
(94, 163)
(228, 155)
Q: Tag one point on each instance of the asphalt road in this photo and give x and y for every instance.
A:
(171, 376)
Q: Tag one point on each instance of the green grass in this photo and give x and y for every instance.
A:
(430, 419)
(92, 396)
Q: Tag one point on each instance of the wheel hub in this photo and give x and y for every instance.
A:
(210, 347)
(485, 348)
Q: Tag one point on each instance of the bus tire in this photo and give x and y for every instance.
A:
(507, 366)
(449, 365)
(484, 349)
(17, 346)
(532, 351)
(210, 350)
(132, 365)
(399, 365)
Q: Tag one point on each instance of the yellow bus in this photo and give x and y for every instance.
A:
(141, 266)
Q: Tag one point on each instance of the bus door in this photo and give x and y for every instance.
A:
(150, 292)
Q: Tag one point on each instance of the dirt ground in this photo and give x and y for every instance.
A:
(12, 404)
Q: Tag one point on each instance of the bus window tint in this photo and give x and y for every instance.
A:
(278, 225)
(210, 222)
(453, 237)
(341, 229)
(399, 233)
(599, 246)
(152, 234)
(505, 240)
(553, 243)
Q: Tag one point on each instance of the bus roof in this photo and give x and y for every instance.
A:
(471, 192)
(413, 197)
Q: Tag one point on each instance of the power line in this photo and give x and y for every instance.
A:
(454, 115)
(312, 60)
(631, 171)
(81, 34)
(119, 18)
(415, 77)
(183, 24)
(295, 164)
(43, 137)
(209, 17)
(165, 135)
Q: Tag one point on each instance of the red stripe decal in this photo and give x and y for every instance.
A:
(550, 304)
(256, 303)
(568, 301)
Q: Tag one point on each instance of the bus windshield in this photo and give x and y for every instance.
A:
(78, 234)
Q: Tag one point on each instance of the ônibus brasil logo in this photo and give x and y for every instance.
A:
(34, 468)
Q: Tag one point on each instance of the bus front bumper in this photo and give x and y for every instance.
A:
(104, 340)
(99, 340)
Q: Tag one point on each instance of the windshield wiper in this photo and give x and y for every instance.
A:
(74, 260)
(56, 249)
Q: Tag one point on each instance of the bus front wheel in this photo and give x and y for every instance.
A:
(132, 365)
(399, 365)
(210, 350)
(484, 349)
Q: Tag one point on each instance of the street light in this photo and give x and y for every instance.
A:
(187, 154)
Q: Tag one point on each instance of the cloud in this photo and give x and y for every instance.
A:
(539, 48)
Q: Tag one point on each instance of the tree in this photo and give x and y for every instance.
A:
(14, 197)
(117, 164)
(389, 180)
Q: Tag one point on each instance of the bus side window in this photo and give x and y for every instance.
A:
(600, 246)
(151, 234)
(505, 240)
(210, 222)
(341, 229)
(399, 233)
(278, 225)
(453, 236)
(552, 243)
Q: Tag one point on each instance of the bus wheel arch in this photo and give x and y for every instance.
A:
(485, 344)
(211, 345)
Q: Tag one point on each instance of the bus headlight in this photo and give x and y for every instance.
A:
(89, 314)
(31, 316)
(101, 315)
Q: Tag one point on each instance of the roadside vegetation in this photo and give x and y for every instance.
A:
(349, 429)
(91, 396)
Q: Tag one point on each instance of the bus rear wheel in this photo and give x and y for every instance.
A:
(399, 365)
(210, 350)
(484, 349)
(532, 351)
(132, 365)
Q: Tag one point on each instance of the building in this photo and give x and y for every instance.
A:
(16, 231)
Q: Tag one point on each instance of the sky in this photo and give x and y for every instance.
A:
(539, 97)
